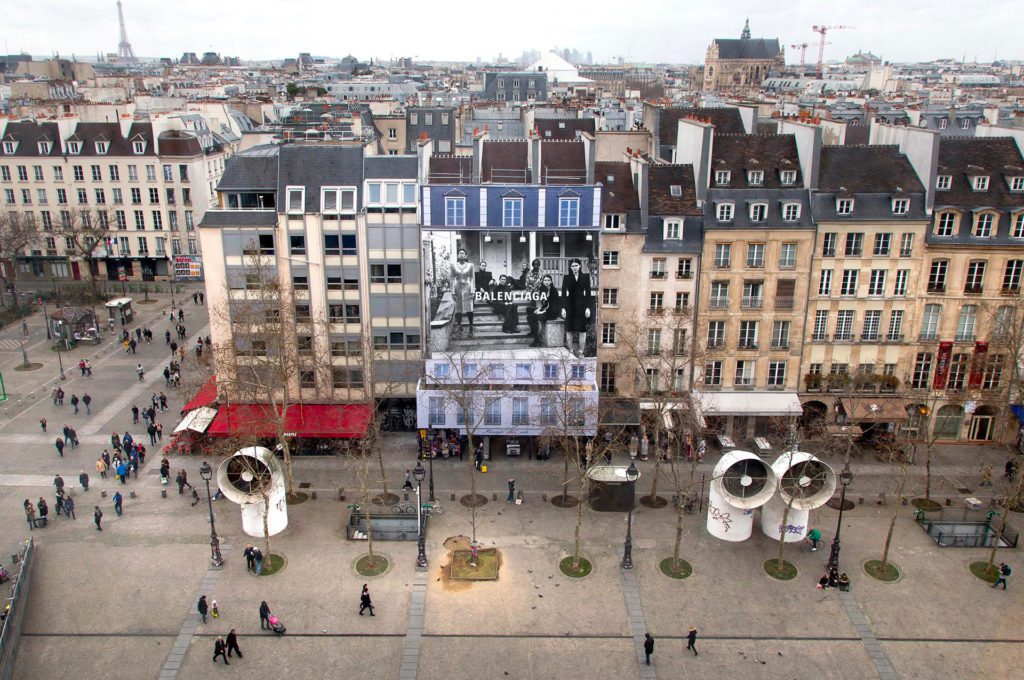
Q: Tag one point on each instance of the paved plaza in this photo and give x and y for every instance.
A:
(121, 603)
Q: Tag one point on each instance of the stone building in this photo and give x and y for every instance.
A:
(740, 66)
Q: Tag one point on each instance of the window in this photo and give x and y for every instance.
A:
(339, 244)
(844, 206)
(58, 173)
(392, 133)
(673, 230)
(652, 379)
(820, 325)
(1017, 229)
(154, 196)
(610, 297)
(930, 322)
(755, 255)
(854, 244)
(723, 253)
(850, 280)
(975, 276)
(654, 341)
(1017, 184)
(744, 373)
(872, 325)
(139, 147)
(657, 301)
(150, 173)
(101, 197)
(758, 212)
(118, 197)
(900, 206)
(882, 242)
(297, 244)
(791, 212)
(9, 196)
(682, 301)
(722, 177)
(922, 370)
(719, 295)
(724, 212)
(980, 183)
(568, 212)
(748, 335)
(675, 190)
(957, 372)
(684, 268)
(713, 373)
(158, 220)
(780, 335)
(133, 173)
(679, 342)
(753, 295)
(943, 182)
(339, 313)
(337, 200)
(385, 273)
(658, 268)
(787, 256)
(5, 173)
(896, 325)
(520, 411)
(716, 334)
(143, 246)
(828, 244)
(937, 276)
(788, 177)
(300, 282)
(777, 373)
(512, 212)
(613, 221)
(608, 333)
(993, 373)
(136, 196)
(62, 196)
(945, 223)
(1011, 276)
(844, 325)
(551, 371)
(876, 285)
(983, 225)
(755, 177)
(825, 283)
(610, 258)
(140, 219)
(296, 200)
(902, 277)
(906, 245)
(121, 219)
(966, 322)
(455, 212)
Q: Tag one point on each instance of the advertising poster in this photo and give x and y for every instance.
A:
(942, 365)
(188, 267)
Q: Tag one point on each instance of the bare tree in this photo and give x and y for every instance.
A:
(86, 233)
(18, 232)
(895, 454)
(687, 436)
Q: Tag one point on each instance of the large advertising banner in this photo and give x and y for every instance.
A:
(511, 290)
(978, 366)
(942, 365)
(188, 267)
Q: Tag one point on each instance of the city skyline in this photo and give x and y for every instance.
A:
(681, 35)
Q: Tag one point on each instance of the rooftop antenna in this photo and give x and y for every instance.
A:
(124, 48)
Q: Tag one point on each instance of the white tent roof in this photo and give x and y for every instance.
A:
(197, 421)
(750, 403)
(557, 69)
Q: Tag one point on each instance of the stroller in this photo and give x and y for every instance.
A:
(276, 625)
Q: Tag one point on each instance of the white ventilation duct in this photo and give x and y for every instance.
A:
(809, 482)
(245, 478)
(740, 483)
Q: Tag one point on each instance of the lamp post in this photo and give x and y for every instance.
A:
(46, 319)
(431, 483)
(631, 476)
(845, 477)
(418, 474)
(216, 561)
(60, 339)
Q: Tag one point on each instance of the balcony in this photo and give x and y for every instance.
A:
(869, 337)
(965, 337)
(751, 302)
(655, 311)
(718, 303)
(717, 343)
(784, 345)
(1010, 290)
(972, 290)
(936, 287)
(684, 275)
(660, 275)
(784, 302)
(928, 335)
(844, 337)
(894, 337)
(747, 345)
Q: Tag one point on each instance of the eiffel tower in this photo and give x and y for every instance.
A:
(124, 48)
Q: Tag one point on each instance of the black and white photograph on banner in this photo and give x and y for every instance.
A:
(511, 290)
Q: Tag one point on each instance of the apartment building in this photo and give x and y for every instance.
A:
(870, 212)
(336, 231)
(109, 199)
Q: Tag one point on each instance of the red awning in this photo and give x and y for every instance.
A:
(206, 395)
(309, 421)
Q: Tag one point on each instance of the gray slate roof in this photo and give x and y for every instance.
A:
(692, 241)
(255, 168)
(744, 197)
(748, 48)
(239, 218)
(316, 166)
(390, 167)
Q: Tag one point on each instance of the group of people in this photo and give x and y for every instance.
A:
(58, 400)
(833, 579)
(543, 302)
(221, 647)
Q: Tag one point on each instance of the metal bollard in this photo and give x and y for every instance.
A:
(163, 493)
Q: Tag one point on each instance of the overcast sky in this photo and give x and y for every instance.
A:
(646, 31)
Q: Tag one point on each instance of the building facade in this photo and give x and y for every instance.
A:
(740, 66)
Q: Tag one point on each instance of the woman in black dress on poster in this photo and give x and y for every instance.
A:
(577, 298)
(547, 309)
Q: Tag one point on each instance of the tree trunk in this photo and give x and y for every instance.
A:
(383, 476)
(782, 534)
(579, 519)
(928, 471)
(888, 540)
(472, 480)
(657, 468)
(266, 524)
(679, 534)
(286, 449)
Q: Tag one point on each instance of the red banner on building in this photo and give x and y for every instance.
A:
(942, 365)
(978, 365)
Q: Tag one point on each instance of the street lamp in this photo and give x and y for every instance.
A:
(60, 362)
(418, 474)
(216, 561)
(845, 477)
(431, 485)
(631, 476)
(46, 319)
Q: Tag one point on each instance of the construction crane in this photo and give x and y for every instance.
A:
(803, 51)
(822, 30)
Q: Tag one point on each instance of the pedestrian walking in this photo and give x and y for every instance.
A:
(66, 430)
(986, 475)
(152, 433)
(135, 414)
(131, 345)
(81, 367)
(364, 601)
(118, 500)
(195, 497)
(233, 644)
(167, 376)
(691, 639)
(83, 479)
(181, 314)
(74, 403)
(74, 437)
(202, 298)
(59, 502)
(257, 559)
(179, 479)
(203, 607)
(159, 431)
(163, 401)
(60, 446)
(58, 483)
(69, 507)
(167, 337)
(249, 562)
(42, 424)
(60, 397)
(122, 472)
(408, 482)
(648, 647)
(195, 298)
(141, 371)
(54, 395)
(1010, 470)
(264, 615)
(30, 514)
(101, 467)
(138, 334)
(214, 609)
(1004, 573)
(511, 489)
(219, 649)
(97, 517)
(86, 399)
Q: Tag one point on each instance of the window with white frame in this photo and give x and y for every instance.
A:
(854, 244)
(1017, 228)
(975, 276)
(777, 373)
(568, 212)
(454, 211)
(613, 221)
(755, 255)
(673, 230)
(930, 320)
(872, 324)
(675, 190)
(658, 268)
(900, 206)
(906, 245)
(1016, 183)
(780, 334)
(943, 182)
(1012, 275)
(719, 295)
(748, 335)
(296, 200)
(337, 200)
(966, 322)
(895, 325)
(608, 330)
(138, 147)
(849, 283)
(983, 224)
(610, 297)
(901, 283)
(882, 244)
(512, 212)
(716, 334)
(945, 223)
(520, 411)
(825, 283)
(723, 252)
(74, 148)
(610, 258)
(844, 206)
(755, 177)
(744, 373)
(787, 256)
(844, 324)
(790, 212)
(828, 244)
(713, 373)
(435, 409)
(876, 284)
(820, 331)
(922, 370)
(724, 212)
(722, 177)
(492, 411)
(979, 183)
(758, 212)
(788, 177)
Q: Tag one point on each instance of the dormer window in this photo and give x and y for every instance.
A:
(722, 177)
(1017, 184)
(844, 206)
(980, 183)
(102, 148)
(755, 177)
(673, 230)
(74, 148)
(983, 223)
(45, 147)
(758, 212)
(791, 212)
(138, 147)
(676, 190)
(788, 177)
(724, 212)
(943, 122)
(296, 200)
(900, 206)
(943, 182)
(10, 148)
(965, 124)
